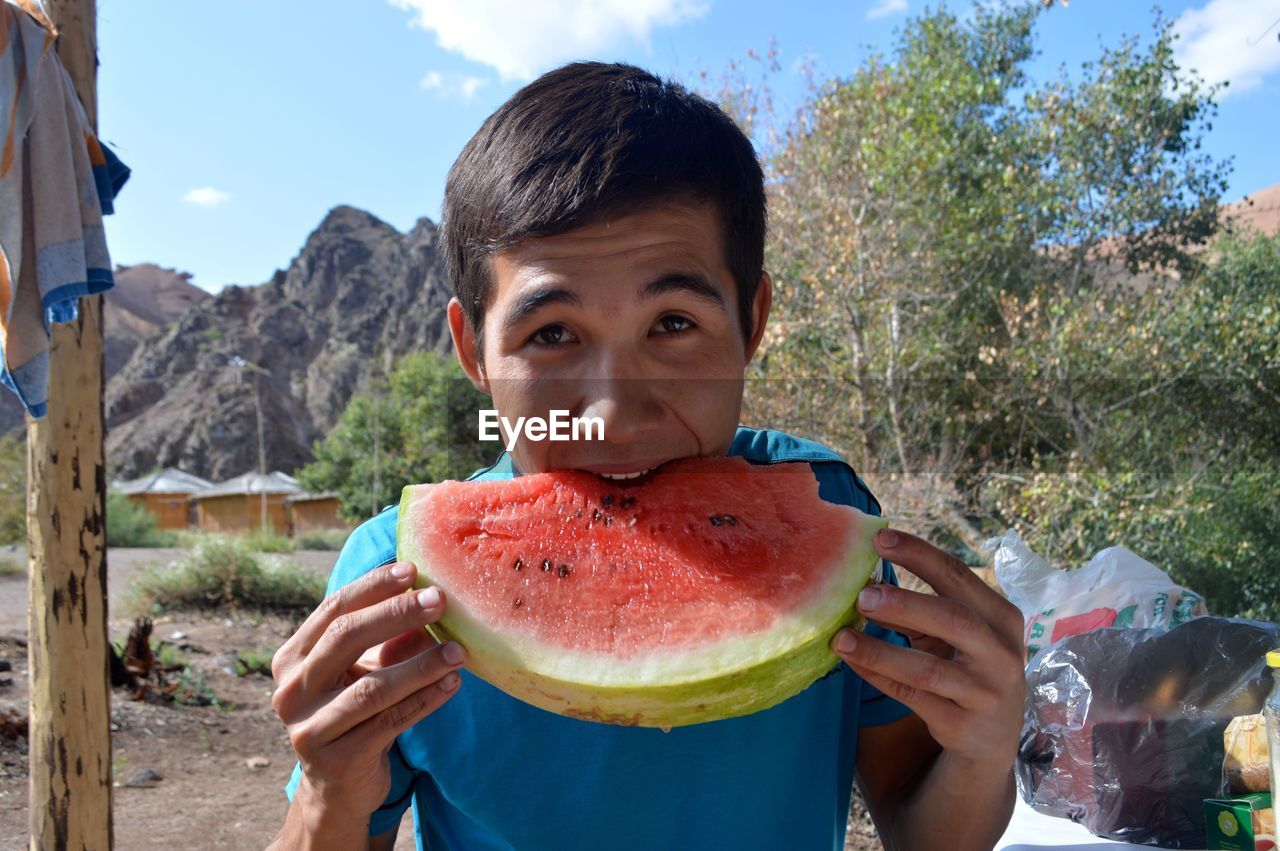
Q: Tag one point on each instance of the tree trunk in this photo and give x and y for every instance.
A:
(70, 757)
(893, 384)
(861, 403)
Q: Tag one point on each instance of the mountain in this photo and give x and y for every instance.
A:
(145, 298)
(1259, 211)
(358, 295)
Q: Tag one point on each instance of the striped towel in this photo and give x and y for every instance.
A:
(56, 181)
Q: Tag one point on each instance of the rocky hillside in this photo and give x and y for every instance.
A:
(359, 293)
(145, 298)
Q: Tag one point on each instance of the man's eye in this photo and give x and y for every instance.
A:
(674, 324)
(552, 335)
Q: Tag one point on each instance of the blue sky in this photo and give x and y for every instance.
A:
(245, 121)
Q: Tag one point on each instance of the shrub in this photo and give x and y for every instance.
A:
(268, 541)
(12, 565)
(321, 539)
(225, 573)
(13, 490)
(253, 662)
(129, 524)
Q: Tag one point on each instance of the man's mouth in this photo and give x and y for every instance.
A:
(622, 472)
(624, 476)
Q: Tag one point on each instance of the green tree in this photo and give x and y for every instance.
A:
(954, 252)
(1174, 448)
(415, 425)
(912, 197)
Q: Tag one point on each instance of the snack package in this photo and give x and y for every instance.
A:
(1123, 731)
(1116, 588)
(1243, 823)
(1247, 767)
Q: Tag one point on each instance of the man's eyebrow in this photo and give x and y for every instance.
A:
(531, 302)
(692, 283)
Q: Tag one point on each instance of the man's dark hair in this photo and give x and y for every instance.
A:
(592, 139)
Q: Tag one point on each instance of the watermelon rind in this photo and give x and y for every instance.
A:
(735, 677)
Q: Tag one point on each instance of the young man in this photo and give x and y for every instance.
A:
(604, 235)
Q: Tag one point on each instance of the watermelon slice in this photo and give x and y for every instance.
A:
(708, 589)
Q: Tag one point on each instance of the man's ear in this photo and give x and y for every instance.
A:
(760, 307)
(464, 344)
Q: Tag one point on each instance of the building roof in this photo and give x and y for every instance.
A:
(311, 497)
(169, 480)
(274, 482)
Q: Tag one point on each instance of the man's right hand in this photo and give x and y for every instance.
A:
(359, 672)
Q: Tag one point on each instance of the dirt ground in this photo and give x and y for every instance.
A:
(214, 789)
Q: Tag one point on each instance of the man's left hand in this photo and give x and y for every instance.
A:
(963, 674)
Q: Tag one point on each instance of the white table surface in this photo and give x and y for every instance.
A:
(1032, 831)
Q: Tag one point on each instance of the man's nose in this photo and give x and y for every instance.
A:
(627, 406)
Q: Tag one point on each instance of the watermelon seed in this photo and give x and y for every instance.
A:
(608, 518)
(563, 570)
(577, 513)
(595, 514)
(546, 565)
(519, 563)
(627, 502)
(731, 520)
(518, 603)
(717, 520)
(631, 522)
(607, 500)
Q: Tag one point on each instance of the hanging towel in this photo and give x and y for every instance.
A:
(56, 181)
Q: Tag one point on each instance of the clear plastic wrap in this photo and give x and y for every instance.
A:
(1123, 731)
(1116, 588)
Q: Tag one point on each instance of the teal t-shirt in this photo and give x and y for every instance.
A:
(487, 771)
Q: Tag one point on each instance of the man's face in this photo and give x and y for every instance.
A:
(632, 319)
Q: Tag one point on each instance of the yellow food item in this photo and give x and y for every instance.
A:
(1247, 765)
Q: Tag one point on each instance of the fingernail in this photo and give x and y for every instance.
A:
(887, 538)
(452, 653)
(450, 681)
(429, 598)
(846, 641)
(869, 599)
(402, 570)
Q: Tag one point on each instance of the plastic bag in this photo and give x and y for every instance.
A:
(1116, 588)
(1123, 730)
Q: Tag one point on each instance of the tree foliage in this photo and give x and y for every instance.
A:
(1174, 442)
(1001, 286)
(130, 524)
(416, 425)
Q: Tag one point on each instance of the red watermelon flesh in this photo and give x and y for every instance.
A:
(708, 589)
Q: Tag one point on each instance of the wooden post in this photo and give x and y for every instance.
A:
(70, 757)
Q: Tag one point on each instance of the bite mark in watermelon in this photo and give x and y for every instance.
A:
(710, 589)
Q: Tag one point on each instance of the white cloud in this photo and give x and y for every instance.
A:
(884, 8)
(1224, 40)
(464, 86)
(520, 39)
(206, 197)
